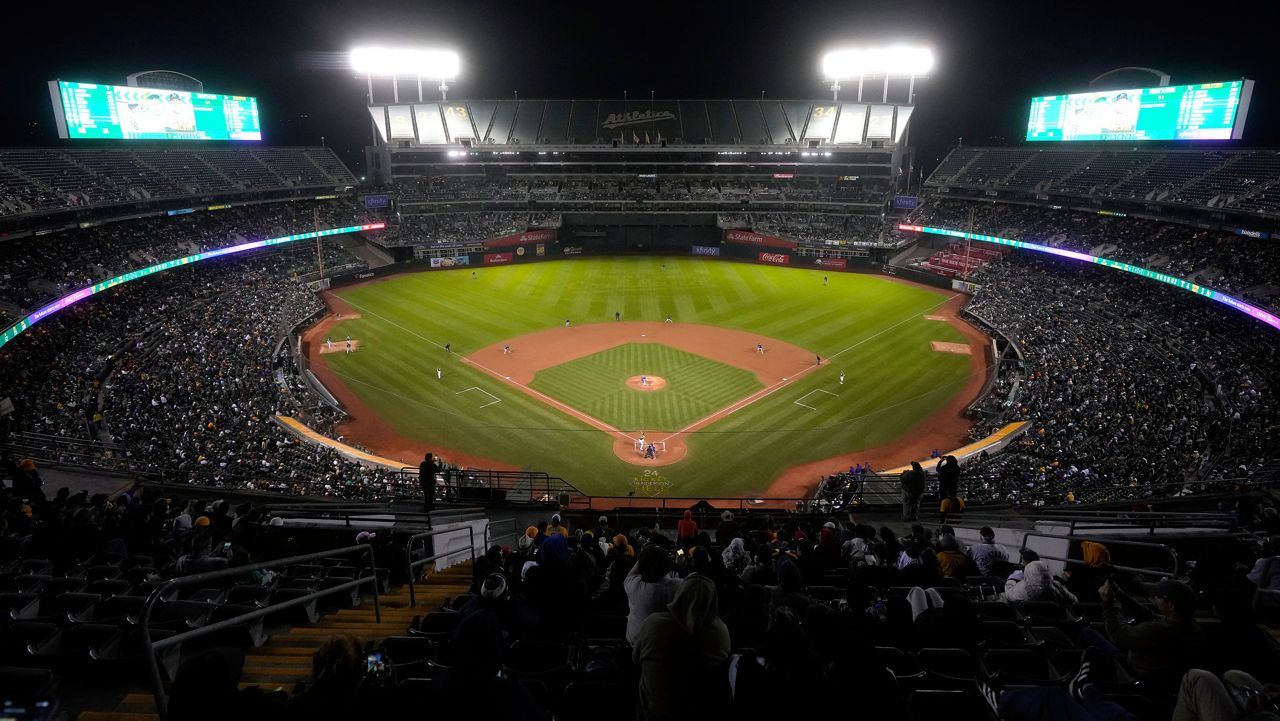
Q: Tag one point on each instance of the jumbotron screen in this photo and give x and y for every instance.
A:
(85, 111)
(1210, 111)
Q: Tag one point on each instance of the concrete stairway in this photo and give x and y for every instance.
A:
(285, 660)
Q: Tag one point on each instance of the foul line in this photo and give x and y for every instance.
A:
(806, 395)
(392, 322)
(477, 388)
(731, 409)
(590, 420)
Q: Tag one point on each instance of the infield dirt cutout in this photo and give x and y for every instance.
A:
(651, 383)
(778, 366)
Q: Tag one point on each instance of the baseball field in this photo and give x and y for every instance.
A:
(731, 371)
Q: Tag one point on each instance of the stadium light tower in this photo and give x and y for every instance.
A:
(442, 65)
(898, 61)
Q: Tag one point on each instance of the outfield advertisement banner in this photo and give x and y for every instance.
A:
(453, 262)
(833, 263)
(706, 250)
(571, 250)
(525, 238)
(774, 258)
(965, 286)
(497, 258)
(746, 237)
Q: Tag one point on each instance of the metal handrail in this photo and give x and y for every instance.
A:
(490, 539)
(1108, 542)
(412, 566)
(152, 646)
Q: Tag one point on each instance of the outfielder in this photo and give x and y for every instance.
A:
(841, 377)
(439, 374)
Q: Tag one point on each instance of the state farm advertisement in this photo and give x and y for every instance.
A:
(746, 237)
(833, 263)
(774, 258)
(497, 258)
(529, 236)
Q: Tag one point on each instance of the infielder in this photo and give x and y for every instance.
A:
(328, 343)
(566, 322)
(644, 380)
(448, 348)
(760, 348)
(348, 345)
(817, 360)
(506, 349)
(668, 317)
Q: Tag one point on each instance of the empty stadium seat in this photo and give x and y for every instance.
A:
(1019, 666)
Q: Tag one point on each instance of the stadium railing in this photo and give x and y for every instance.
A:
(152, 646)
(1110, 542)
(412, 566)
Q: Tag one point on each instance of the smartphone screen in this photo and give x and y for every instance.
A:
(374, 662)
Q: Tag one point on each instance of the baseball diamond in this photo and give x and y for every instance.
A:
(727, 416)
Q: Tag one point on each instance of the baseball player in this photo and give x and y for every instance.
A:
(651, 451)
(644, 380)
(473, 275)
(817, 360)
(328, 343)
(348, 345)
(617, 315)
(642, 439)
(448, 348)
(348, 339)
(760, 348)
(566, 322)
(841, 377)
(668, 317)
(506, 349)
(824, 280)
(439, 374)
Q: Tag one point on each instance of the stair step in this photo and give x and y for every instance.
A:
(116, 716)
(137, 703)
(278, 661)
(276, 675)
(288, 651)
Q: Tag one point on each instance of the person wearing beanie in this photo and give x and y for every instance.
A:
(202, 522)
(555, 590)
(366, 537)
(727, 529)
(621, 545)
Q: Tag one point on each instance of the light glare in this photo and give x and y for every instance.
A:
(383, 62)
(897, 60)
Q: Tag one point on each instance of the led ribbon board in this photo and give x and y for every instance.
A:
(1241, 306)
(12, 331)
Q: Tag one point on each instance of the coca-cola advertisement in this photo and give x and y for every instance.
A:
(497, 258)
(774, 258)
(545, 235)
(746, 237)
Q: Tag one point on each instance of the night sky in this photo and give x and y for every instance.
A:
(992, 57)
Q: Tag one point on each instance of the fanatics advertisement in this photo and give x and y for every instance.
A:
(496, 258)
(706, 250)
(450, 262)
(774, 258)
(746, 237)
(527, 237)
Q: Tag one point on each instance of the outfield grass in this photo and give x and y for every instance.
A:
(696, 386)
(868, 326)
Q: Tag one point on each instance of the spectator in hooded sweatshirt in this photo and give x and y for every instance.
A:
(1037, 584)
(681, 653)
(650, 586)
(686, 531)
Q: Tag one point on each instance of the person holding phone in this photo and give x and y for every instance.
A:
(1161, 650)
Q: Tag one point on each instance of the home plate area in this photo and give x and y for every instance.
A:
(339, 346)
(945, 347)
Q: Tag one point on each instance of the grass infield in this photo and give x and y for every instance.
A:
(696, 386)
(868, 326)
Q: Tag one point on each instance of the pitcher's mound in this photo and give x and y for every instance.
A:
(651, 383)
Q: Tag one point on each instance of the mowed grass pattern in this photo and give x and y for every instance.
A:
(596, 385)
(869, 326)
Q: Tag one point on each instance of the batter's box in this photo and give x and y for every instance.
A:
(799, 400)
(481, 390)
(945, 347)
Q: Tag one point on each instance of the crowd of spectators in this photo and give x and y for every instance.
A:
(815, 228)
(754, 619)
(37, 269)
(1130, 389)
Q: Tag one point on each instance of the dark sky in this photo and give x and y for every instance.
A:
(992, 56)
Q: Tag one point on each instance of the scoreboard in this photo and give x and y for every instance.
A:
(85, 111)
(1210, 111)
